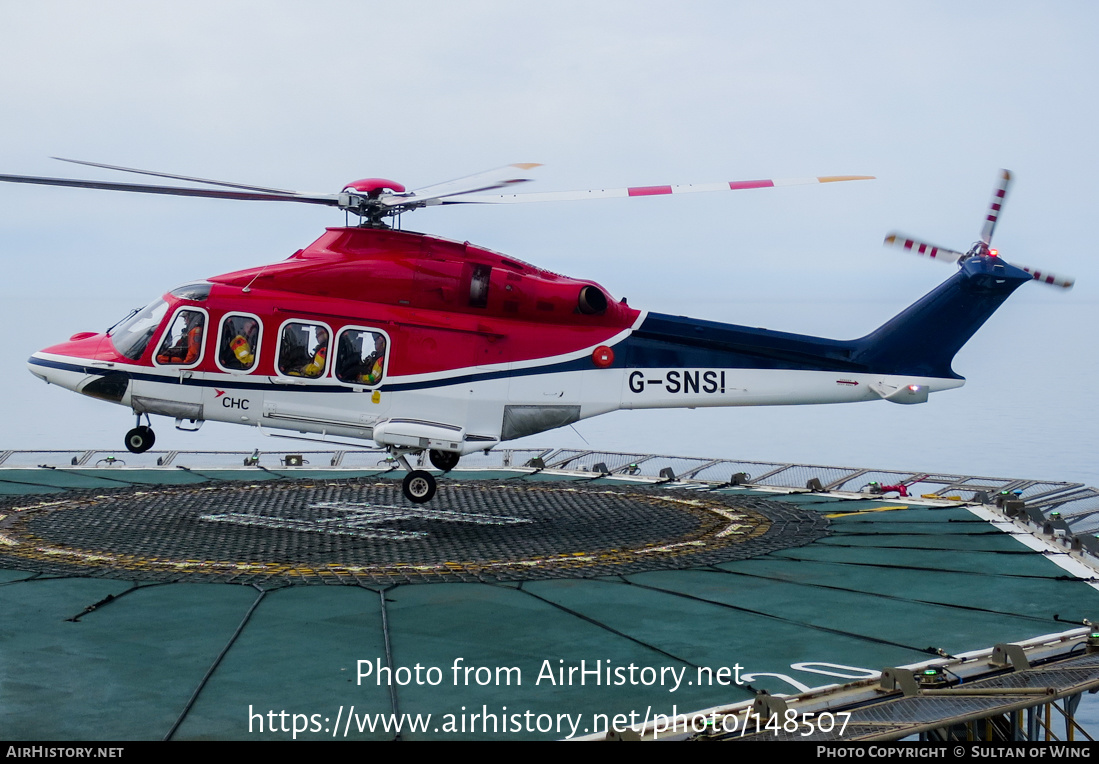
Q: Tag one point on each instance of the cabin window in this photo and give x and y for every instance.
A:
(238, 344)
(182, 343)
(132, 335)
(303, 349)
(361, 356)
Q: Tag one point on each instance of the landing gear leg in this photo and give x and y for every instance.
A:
(419, 485)
(141, 438)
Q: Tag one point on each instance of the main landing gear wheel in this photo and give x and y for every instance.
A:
(444, 460)
(140, 439)
(419, 486)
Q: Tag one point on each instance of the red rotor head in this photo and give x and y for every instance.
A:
(373, 187)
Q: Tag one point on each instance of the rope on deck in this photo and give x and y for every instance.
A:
(217, 662)
(393, 704)
(879, 595)
(111, 598)
(803, 624)
(926, 568)
(616, 632)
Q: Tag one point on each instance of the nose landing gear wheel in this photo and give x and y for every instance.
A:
(140, 439)
(419, 486)
(444, 460)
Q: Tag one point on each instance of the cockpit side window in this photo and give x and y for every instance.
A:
(303, 349)
(131, 337)
(239, 342)
(182, 343)
(361, 356)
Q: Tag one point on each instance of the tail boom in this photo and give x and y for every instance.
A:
(674, 361)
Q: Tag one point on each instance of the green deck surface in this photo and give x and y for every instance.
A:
(879, 591)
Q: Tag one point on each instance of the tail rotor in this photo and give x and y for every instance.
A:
(983, 247)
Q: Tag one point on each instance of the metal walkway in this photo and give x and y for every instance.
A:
(1026, 692)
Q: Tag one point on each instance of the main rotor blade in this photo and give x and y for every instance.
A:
(612, 193)
(998, 198)
(209, 193)
(1045, 277)
(500, 177)
(923, 248)
(177, 177)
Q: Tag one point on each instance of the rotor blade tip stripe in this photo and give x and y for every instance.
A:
(649, 190)
(527, 165)
(837, 178)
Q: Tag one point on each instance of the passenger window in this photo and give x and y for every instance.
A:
(238, 346)
(303, 350)
(182, 344)
(361, 357)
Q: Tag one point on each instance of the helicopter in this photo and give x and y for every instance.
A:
(425, 344)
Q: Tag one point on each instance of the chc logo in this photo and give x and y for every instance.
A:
(229, 402)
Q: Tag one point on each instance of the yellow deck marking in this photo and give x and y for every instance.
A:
(865, 511)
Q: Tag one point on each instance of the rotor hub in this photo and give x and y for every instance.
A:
(373, 187)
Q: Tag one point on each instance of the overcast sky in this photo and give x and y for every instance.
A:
(932, 98)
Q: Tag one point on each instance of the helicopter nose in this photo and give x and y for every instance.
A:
(74, 373)
(83, 363)
(55, 372)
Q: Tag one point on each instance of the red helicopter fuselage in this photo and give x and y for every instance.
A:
(454, 319)
(427, 345)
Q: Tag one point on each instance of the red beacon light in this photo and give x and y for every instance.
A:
(994, 252)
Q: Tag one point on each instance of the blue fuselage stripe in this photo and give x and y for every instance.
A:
(662, 341)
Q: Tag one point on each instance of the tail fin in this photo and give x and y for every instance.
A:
(923, 339)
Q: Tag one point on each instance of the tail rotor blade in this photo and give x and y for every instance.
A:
(995, 206)
(1045, 277)
(923, 248)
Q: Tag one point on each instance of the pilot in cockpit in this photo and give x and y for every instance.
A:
(188, 345)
